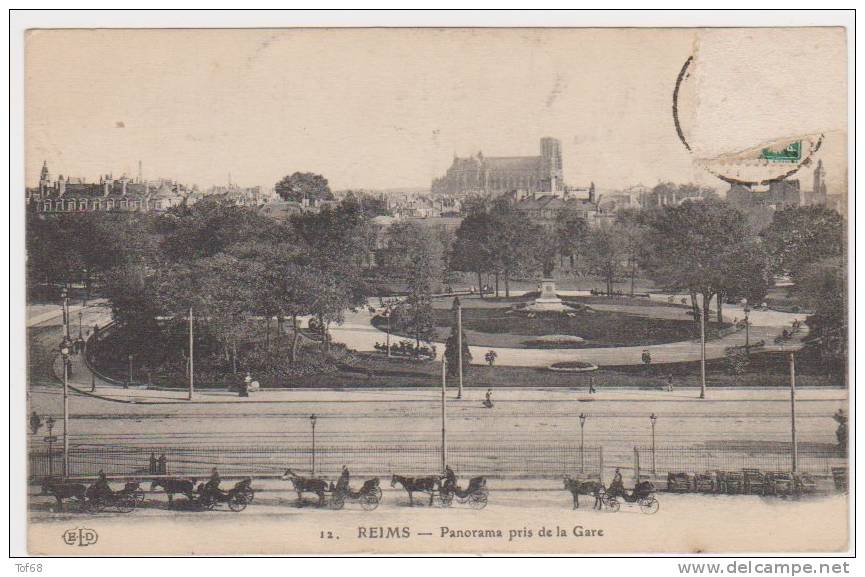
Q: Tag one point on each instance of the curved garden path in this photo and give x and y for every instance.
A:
(358, 333)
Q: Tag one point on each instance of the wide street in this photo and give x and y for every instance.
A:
(274, 524)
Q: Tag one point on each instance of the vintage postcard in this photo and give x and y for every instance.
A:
(437, 290)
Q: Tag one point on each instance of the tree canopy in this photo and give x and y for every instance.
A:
(303, 185)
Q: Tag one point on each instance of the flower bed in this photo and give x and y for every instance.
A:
(555, 342)
(573, 367)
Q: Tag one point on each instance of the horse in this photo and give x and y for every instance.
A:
(578, 487)
(304, 485)
(422, 484)
(172, 486)
(61, 489)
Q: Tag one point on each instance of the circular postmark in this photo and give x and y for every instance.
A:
(761, 165)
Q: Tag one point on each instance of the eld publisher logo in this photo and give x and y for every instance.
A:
(81, 537)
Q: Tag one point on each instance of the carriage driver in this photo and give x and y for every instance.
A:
(450, 478)
(212, 485)
(617, 487)
(342, 483)
(101, 486)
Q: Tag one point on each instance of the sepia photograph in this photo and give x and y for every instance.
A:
(436, 290)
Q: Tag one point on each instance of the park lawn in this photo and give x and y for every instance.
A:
(767, 370)
(357, 369)
(491, 323)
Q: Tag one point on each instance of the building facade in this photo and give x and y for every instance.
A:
(68, 194)
(480, 174)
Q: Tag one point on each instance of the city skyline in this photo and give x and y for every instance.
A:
(390, 115)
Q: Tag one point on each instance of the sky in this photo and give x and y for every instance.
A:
(376, 108)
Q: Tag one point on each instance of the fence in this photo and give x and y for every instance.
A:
(699, 459)
(525, 460)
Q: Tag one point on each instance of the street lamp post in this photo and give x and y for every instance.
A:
(64, 352)
(387, 341)
(795, 447)
(191, 357)
(80, 325)
(582, 426)
(703, 349)
(129, 382)
(65, 295)
(444, 415)
(457, 306)
(653, 418)
(312, 420)
(50, 439)
(747, 326)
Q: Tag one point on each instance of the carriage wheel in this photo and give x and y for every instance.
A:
(139, 496)
(369, 502)
(337, 502)
(125, 504)
(478, 500)
(649, 506)
(97, 505)
(249, 494)
(207, 502)
(237, 503)
(377, 493)
(614, 505)
(446, 499)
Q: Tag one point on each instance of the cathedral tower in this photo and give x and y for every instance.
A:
(551, 154)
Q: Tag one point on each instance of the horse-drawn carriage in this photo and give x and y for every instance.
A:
(476, 494)
(642, 495)
(336, 495)
(445, 490)
(124, 501)
(96, 498)
(369, 495)
(236, 497)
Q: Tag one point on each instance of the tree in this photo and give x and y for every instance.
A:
(744, 272)
(413, 255)
(453, 357)
(303, 186)
(211, 226)
(630, 226)
(604, 253)
(823, 287)
(472, 251)
(504, 241)
(570, 231)
(693, 246)
(491, 357)
(799, 236)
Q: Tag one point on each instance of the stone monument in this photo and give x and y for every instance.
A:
(548, 301)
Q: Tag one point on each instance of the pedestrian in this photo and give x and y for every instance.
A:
(162, 465)
(670, 382)
(153, 466)
(489, 402)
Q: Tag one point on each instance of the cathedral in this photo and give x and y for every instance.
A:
(481, 174)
